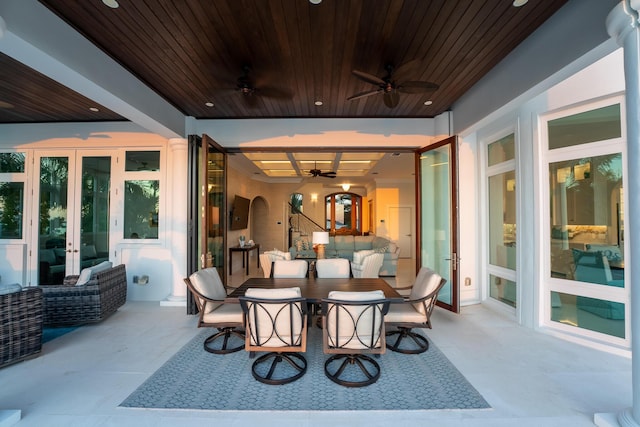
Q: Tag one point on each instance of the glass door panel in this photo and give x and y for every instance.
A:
(437, 220)
(52, 219)
(94, 210)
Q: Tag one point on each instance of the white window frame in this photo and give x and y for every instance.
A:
(549, 284)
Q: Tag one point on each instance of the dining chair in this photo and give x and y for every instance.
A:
(353, 327)
(333, 268)
(369, 265)
(269, 257)
(295, 268)
(414, 312)
(275, 322)
(209, 293)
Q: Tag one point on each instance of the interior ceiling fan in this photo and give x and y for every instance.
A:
(393, 83)
(317, 172)
(250, 91)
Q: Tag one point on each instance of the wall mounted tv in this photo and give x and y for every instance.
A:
(239, 213)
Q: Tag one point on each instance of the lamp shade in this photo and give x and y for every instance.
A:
(320, 237)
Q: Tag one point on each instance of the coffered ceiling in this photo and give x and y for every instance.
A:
(281, 58)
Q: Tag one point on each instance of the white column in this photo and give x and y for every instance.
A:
(622, 24)
(177, 218)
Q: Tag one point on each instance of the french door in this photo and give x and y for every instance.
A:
(71, 221)
(437, 204)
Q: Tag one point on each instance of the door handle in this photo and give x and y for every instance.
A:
(454, 261)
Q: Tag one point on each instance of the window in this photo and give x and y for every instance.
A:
(501, 203)
(584, 248)
(344, 213)
(12, 181)
(142, 195)
(296, 203)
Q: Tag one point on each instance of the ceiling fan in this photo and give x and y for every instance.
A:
(393, 83)
(247, 87)
(317, 172)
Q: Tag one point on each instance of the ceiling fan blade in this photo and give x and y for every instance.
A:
(364, 94)
(407, 70)
(417, 87)
(328, 174)
(369, 78)
(391, 99)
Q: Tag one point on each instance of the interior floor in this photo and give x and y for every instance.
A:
(529, 378)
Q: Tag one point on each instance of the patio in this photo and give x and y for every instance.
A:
(528, 378)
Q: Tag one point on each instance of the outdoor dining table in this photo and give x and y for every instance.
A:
(314, 289)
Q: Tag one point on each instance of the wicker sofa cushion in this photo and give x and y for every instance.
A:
(86, 273)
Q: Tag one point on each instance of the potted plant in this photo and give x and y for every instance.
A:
(241, 239)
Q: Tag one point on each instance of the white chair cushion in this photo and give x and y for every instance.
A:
(333, 268)
(426, 282)
(208, 283)
(270, 256)
(370, 266)
(265, 314)
(399, 313)
(223, 313)
(363, 315)
(296, 268)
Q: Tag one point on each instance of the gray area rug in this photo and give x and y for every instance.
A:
(196, 379)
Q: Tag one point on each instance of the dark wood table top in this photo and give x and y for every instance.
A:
(314, 289)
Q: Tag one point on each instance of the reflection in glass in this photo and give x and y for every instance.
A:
(594, 314)
(502, 290)
(141, 205)
(11, 208)
(501, 150)
(586, 220)
(12, 162)
(590, 126)
(138, 161)
(52, 227)
(502, 220)
(215, 218)
(436, 216)
(94, 210)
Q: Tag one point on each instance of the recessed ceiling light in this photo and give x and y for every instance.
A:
(209, 104)
(113, 4)
(94, 109)
(428, 102)
(318, 103)
(518, 3)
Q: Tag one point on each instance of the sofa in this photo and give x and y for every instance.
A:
(345, 246)
(86, 298)
(20, 324)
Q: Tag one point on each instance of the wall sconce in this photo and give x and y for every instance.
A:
(314, 198)
(346, 187)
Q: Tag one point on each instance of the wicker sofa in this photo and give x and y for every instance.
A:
(20, 325)
(71, 304)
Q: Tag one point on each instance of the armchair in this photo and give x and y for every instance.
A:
(367, 264)
(276, 322)
(20, 325)
(414, 312)
(209, 293)
(353, 325)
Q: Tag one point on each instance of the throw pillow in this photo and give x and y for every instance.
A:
(10, 288)
(86, 273)
(392, 247)
(382, 250)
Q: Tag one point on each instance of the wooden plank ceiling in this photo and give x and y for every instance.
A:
(193, 52)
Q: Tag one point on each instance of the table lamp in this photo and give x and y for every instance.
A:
(320, 238)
